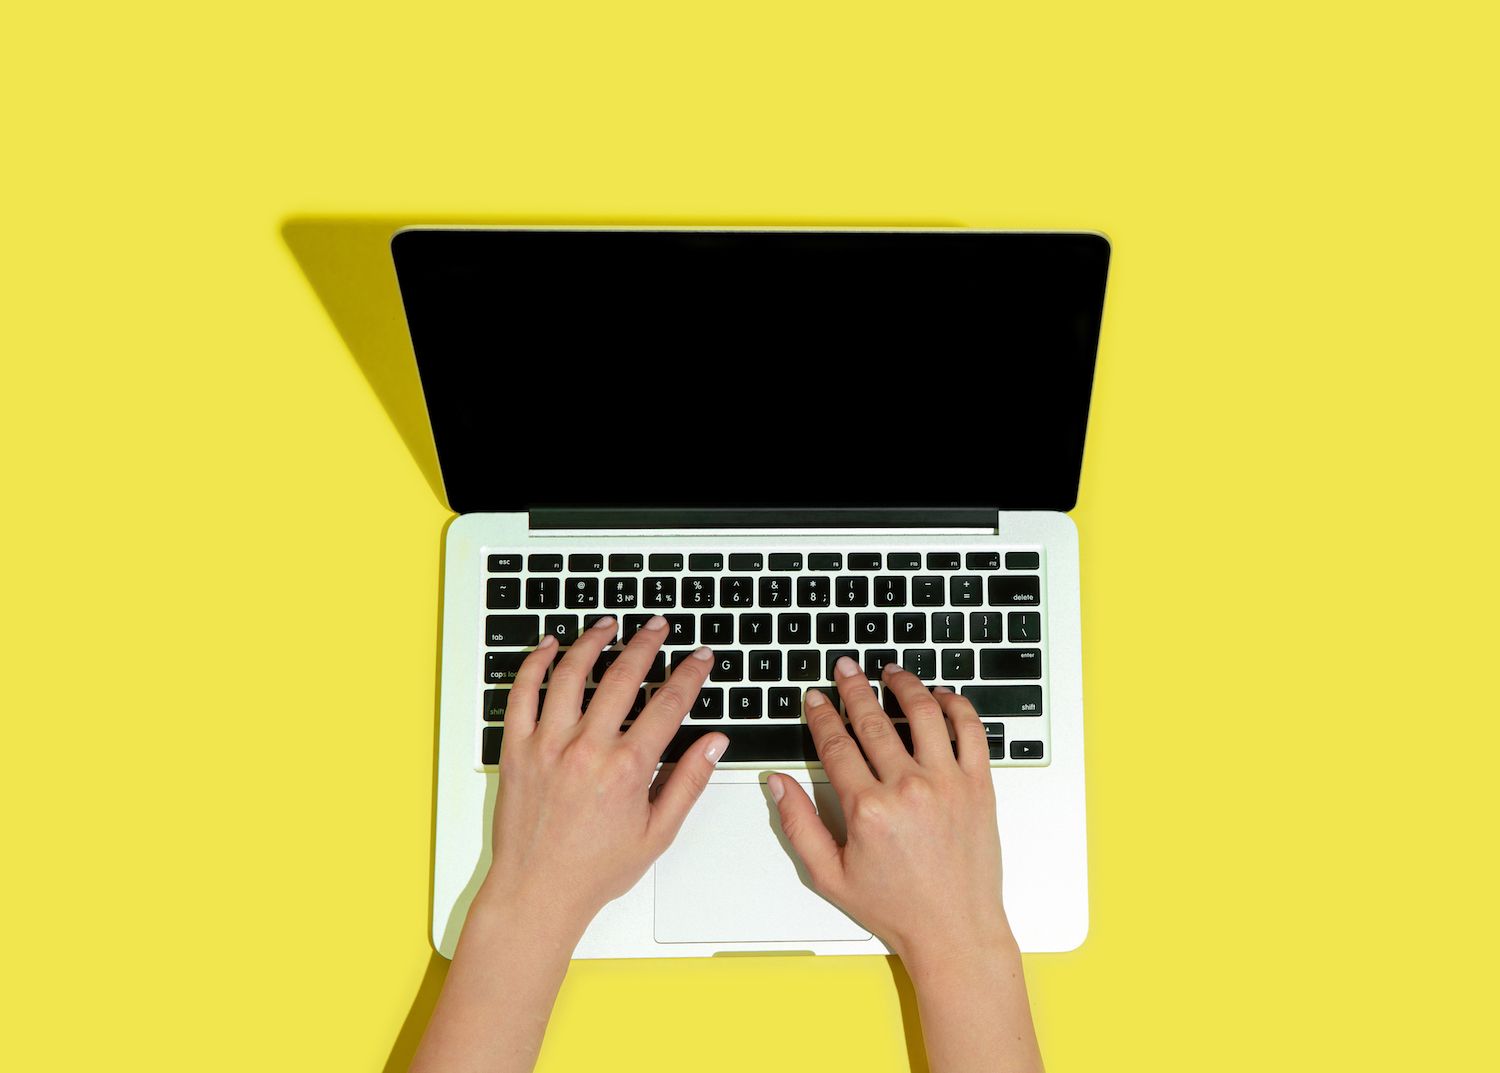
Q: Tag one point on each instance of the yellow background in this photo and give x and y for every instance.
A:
(220, 561)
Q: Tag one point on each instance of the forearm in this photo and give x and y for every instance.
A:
(495, 1004)
(975, 1014)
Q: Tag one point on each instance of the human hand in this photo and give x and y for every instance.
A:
(576, 824)
(921, 864)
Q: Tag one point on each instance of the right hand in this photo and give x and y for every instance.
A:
(921, 864)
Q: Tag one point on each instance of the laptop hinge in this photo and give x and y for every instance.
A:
(982, 518)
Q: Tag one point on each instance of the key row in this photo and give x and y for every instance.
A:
(753, 562)
(773, 742)
(848, 590)
(789, 628)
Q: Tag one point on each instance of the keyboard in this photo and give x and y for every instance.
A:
(970, 618)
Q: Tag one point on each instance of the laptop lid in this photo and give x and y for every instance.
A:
(682, 372)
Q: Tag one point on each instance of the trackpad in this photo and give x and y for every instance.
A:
(729, 877)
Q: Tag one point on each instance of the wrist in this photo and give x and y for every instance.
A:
(965, 953)
(520, 913)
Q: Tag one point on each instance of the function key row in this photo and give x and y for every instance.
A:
(751, 562)
(808, 590)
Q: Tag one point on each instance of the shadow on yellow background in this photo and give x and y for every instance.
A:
(347, 263)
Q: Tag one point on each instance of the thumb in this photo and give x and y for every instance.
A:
(684, 786)
(805, 831)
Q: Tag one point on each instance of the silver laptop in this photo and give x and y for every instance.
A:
(859, 442)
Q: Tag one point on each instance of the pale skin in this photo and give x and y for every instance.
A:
(578, 822)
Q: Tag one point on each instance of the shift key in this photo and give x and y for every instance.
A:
(1004, 700)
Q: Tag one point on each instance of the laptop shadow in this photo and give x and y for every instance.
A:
(346, 260)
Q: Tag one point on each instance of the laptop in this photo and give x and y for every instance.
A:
(796, 444)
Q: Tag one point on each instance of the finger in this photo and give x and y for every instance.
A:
(565, 690)
(968, 731)
(664, 713)
(622, 682)
(877, 734)
(520, 707)
(846, 768)
(684, 786)
(929, 731)
(805, 830)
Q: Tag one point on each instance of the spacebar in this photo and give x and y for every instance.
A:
(768, 741)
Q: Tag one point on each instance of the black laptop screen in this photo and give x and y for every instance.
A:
(755, 369)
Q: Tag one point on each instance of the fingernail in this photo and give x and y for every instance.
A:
(607, 620)
(777, 789)
(704, 653)
(941, 689)
(715, 748)
(890, 668)
(814, 698)
(655, 622)
(846, 667)
(547, 642)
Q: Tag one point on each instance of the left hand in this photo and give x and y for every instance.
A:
(575, 823)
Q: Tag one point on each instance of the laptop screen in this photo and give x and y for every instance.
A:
(755, 369)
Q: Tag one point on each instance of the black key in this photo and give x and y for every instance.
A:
(679, 657)
(765, 665)
(803, 665)
(785, 703)
(502, 592)
(864, 560)
(1010, 663)
(927, 591)
(813, 592)
(504, 564)
(922, 662)
(1025, 750)
(786, 560)
(638, 705)
(500, 667)
(875, 661)
(748, 741)
(744, 703)
(833, 629)
(664, 561)
(585, 564)
(709, 562)
(489, 751)
(736, 591)
(709, 704)
(657, 672)
(542, 591)
(620, 592)
(958, 664)
(512, 630)
(589, 620)
(755, 629)
(582, 592)
(544, 564)
(1025, 625)
(831, 657)
(825, 560)
(793, 629)
(1005, 700)
(1023, 560)
(698, 592)
(852, 591)
(495, 701)
(910, 629)
(982, 560)
(682, 630)
(633, 624)
(605, 661)
(588, 697)
(870, 629)
(984, 627)
(626, 562)
(830, 693)
(718, 630)
(728, 666)
(995, 734)
(947, 626)
(903, 560)
(965, 590)
(564, 628)
(1015, 589)
(747, 561)
(942, 560)
(661, 592)
(775, 592)
(890, 591)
